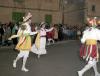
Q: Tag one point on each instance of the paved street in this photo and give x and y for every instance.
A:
(62, 60)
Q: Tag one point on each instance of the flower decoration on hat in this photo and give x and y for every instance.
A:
(92, 21)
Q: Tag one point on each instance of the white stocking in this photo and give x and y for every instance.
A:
(38, 56)
(95, 70)
(87, 67)
(15, 61)
(23, 66)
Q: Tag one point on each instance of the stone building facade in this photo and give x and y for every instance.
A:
(77, 11)
(74, 12)
(92, 8)
(42, 10)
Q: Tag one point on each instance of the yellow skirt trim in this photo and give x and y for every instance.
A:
(91, 42)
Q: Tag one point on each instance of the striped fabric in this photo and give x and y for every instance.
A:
(86, 49)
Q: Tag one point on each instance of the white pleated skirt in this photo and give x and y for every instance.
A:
(42, 49)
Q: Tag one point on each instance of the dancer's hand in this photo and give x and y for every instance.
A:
(87, 58)
(97, 57)
(97, 60)
(84, 57)
(10, 38)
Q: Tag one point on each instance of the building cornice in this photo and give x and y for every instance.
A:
(36, 9)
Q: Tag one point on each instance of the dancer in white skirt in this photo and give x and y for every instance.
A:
(40, 42)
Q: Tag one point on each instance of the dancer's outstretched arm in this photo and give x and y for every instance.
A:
(48, 30)
(13, 36)
(33, 33)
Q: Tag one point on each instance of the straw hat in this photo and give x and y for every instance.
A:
(27, 17)
(42, 23)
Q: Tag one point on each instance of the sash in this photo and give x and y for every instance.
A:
(37, 41)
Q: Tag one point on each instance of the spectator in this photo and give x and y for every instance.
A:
(1, 33)
(55, 31)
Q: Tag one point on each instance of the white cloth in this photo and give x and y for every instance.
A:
(91, 33)
(24, 54)
(42, 49)
(92, 61)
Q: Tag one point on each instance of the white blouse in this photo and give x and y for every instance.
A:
(91, 33)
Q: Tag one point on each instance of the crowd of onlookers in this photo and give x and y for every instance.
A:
(59, 33)
(6, 30)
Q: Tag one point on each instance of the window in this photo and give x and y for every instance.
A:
(93, 8)
(17, 16)
(48, 19)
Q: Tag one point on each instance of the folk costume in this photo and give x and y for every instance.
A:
(89, 49)
(24, 43)
(40, 42)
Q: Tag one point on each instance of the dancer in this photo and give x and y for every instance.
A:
(90, 50)
(40, 42)
(24, 43)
